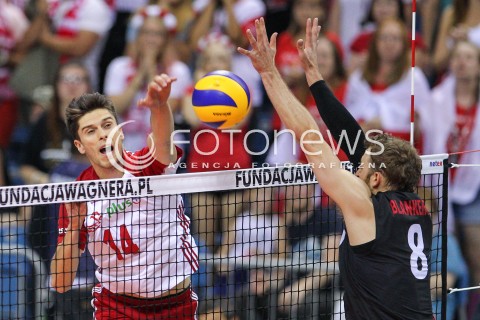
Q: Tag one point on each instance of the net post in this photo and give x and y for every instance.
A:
(444, 236)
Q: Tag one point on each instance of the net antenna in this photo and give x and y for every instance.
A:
(412, 90)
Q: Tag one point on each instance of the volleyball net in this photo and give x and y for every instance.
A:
(267, 242)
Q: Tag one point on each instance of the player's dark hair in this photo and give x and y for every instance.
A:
(84, 104)
(399, 162)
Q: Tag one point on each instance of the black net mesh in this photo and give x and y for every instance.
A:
(259, 243)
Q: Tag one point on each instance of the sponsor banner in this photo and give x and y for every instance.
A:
(28, 195)
(433, 164)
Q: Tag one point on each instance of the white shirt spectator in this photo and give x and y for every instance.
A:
(71, 16)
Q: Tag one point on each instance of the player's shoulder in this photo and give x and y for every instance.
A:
(87, 174)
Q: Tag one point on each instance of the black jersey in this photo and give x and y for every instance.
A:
(389, 277)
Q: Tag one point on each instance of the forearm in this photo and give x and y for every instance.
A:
(64, 264)
(430, 11)
(292, 113)
(32, 35)
(339, 121)
(234, 30)
(32, 175)
(76, 47)
(162, 125)
(202, 25)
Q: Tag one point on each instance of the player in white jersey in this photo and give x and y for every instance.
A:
(142, 246)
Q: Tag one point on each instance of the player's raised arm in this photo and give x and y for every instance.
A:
(350, 193)
(161, 118)
(293, 114)
(338, 120)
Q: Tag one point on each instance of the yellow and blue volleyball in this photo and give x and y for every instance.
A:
(221, 99)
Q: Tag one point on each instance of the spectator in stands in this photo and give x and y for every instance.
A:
(331, 56)
(232, 18)
(256, 235)
(184, 13)
(378, 96)
(302, 226)
(287, 59)
(345, 19)
(291, 299)
(116, 39)
(50, 144)
(453, 126)
(127, 76)
(211, 220)
(459, 21)
(380, 10)
(13, 25)
(80, 30)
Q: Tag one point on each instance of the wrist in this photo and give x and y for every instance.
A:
(313, 75)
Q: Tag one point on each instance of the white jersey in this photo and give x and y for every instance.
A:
(142, 246)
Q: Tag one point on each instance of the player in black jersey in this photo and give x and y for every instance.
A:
(385, 249)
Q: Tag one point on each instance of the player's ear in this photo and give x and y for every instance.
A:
(79, 146)
(376, 179)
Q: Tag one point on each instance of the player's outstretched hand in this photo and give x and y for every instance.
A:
(307, 49)
(158, 92)
(262, 53)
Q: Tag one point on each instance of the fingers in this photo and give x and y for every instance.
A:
(243, 51)
(162, 81)
(308, 31)
(252, 40)
(300, 44)
(273, 41)
(262, 36)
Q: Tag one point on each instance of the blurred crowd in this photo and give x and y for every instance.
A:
(52, 51)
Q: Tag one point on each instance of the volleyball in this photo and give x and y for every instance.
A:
(221, 99)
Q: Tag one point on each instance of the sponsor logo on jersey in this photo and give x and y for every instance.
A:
(121, 206)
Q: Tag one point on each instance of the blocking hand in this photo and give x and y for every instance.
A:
(263, 51)
(307, 49)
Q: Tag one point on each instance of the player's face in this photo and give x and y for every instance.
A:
(93, 131)
(365, 170)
